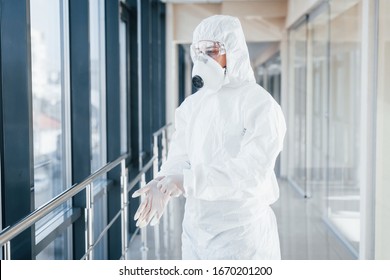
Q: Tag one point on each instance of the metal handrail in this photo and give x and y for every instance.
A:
(12, 231)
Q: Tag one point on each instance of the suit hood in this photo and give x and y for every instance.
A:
(227, 30)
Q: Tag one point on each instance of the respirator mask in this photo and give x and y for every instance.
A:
(207, 72)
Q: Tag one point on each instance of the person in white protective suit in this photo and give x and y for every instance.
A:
(222, 154)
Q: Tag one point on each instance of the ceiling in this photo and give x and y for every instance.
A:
(261, 20)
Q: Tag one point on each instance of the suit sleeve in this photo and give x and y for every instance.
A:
(177, 159)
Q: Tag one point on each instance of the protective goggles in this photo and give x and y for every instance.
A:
(210, 48)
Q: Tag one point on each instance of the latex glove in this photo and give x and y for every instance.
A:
(152, 207)
(171, 185)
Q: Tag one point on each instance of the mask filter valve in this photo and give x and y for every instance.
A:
(197, 81)
(207, 73)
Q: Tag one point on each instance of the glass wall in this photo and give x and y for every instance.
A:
(297, 107)
(382, 210)
(324, 138)
(345, 143)
(317, 110)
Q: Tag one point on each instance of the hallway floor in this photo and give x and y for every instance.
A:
(302, 232)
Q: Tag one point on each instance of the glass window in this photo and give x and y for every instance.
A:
(48, 101)
(49, 31)
(98, 85)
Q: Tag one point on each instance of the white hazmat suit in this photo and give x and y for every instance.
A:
(225, 145)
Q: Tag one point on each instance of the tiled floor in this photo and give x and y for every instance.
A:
(302, 232)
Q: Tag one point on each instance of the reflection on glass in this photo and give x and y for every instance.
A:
(47, 99)
(97, 65)
(344, 127)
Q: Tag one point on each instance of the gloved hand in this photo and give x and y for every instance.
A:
(171, 185)
(153, 206)
(158, 192)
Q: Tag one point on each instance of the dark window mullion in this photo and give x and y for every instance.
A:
(16, 123)
(113, 122)
(80, 111)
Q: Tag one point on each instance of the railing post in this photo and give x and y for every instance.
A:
(124, 200)
(144, 241)
(7, 251)
(155, 154)
(166, 230)
(165, 217)
(156, 229)
(155, 171)
(89, 221)
(164, 145)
